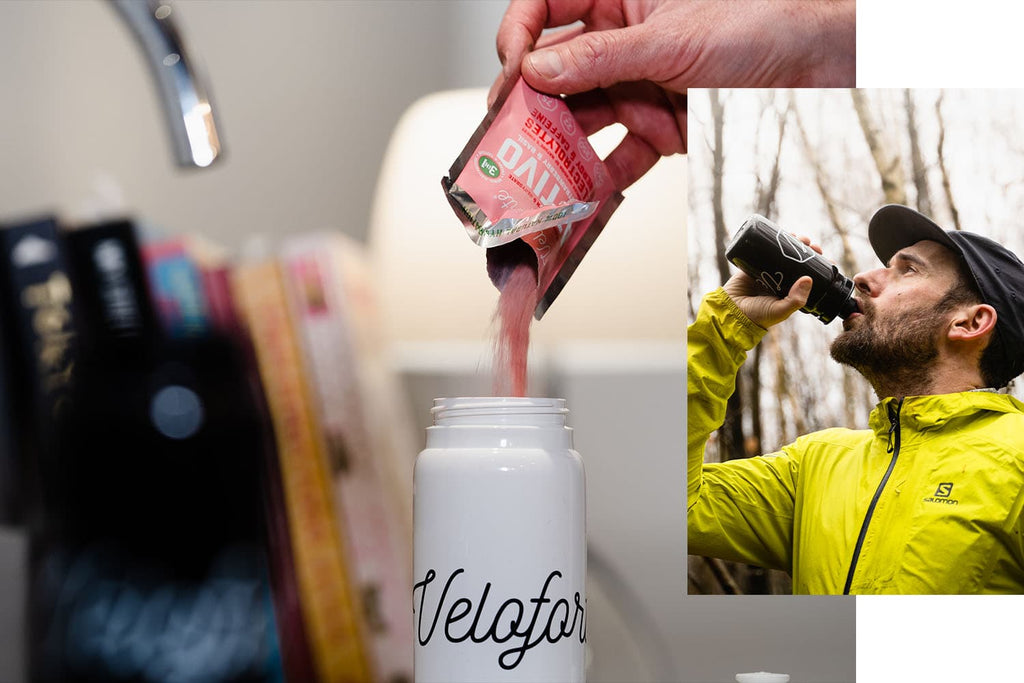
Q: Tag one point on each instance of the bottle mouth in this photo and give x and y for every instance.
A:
(500, 409)
(835, 300)
(849, 307)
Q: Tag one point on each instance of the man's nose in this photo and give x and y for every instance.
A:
(868, 282)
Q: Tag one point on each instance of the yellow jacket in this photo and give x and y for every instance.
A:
(930, 499)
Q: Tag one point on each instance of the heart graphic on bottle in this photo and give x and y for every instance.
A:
(768, 282)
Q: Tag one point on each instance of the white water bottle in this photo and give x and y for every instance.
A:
(500, 544)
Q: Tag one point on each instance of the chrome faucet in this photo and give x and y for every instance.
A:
(183, 95)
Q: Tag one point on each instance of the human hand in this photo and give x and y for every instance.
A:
(608, 76)
(635, 59)
(679, 44)
(766, 309)
(763, 308)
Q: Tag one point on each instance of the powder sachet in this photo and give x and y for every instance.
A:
(528, 177)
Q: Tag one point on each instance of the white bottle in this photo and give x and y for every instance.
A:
(500, 544)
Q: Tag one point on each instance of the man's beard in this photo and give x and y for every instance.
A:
(888, 349)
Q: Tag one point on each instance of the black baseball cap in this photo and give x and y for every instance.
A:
(997, 272)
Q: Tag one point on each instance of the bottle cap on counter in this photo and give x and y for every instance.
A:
(762, 677)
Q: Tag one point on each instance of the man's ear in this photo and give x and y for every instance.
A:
(972, 322)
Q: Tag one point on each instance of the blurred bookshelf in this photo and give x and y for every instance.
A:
(195, 483)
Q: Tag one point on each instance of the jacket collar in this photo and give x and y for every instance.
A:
(923, 412)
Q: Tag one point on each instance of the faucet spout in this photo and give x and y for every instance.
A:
(183, 95)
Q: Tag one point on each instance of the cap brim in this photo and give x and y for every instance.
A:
(894, 227)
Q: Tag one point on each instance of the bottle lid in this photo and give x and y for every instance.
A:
(762, 677)
(498, 410)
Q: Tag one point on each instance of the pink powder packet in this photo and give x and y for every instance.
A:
(528, 186)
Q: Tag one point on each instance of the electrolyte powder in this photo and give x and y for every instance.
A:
(515, 312)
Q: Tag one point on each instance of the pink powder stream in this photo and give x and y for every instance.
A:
(516, 303)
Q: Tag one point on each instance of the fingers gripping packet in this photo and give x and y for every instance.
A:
(528, 185)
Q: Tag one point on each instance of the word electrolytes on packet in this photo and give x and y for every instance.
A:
(528, 175)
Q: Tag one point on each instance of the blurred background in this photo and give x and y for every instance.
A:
(820, 163)
(307, 94)
(341, 117)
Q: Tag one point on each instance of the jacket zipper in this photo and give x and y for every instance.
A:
(894, 448)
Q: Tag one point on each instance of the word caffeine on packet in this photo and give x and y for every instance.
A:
(528, 185)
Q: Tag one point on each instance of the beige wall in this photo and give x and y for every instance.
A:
(306, 92)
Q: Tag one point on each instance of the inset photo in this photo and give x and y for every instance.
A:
(856, 333)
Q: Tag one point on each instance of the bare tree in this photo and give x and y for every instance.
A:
(821, 179)
(717, 173)
(715, 575)
(731, 431)
(946, 188)
(887, 160)
(765, 205)
(766, 191)
(918, 169)
(853, 385)
(758, 579)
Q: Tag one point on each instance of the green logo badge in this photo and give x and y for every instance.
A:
(488, 166)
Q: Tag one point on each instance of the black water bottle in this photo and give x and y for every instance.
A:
(776, 259)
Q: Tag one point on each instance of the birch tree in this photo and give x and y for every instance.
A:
(730, 434)
(946, 185)
(853, 384)
(887, 159)
(919, 172)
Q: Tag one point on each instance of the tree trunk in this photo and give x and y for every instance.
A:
(887, 160)
(847, 262)
(919, 172)
(766, 192)
(731, 431)
(946, 189)
(717, 172)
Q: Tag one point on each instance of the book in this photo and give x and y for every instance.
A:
(176, 283)
(382, 397)
(40, 344)
(152, 564)
(331, 610)
(370, 510)
(113, 302)
(294, 644)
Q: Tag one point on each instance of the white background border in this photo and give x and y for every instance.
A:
(939, 44)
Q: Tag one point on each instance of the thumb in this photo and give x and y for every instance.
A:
(595, 59)
(780, 309)
(798, 294)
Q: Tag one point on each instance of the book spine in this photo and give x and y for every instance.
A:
(177, 289)
(42, 342)
(330, 605)
(382, 398)
(114, 302)
(367, 509)
(224, 316)
(294, 643)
